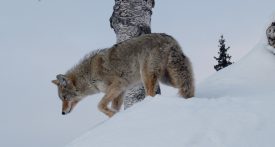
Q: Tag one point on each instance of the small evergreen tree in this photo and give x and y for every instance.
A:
(224, 57)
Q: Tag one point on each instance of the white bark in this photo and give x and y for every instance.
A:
(131, 18)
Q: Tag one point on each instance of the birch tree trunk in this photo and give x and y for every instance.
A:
(132, 18)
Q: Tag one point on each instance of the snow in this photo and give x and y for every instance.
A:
(254, 74)
(42, 39)
(195, 122)
(234, 107)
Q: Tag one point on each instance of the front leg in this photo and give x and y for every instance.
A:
(117, 102)
(109, 97)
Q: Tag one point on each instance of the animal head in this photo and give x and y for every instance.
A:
(67, 92)
(270, 33)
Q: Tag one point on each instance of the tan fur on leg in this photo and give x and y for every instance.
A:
(110, 96)
(103, 106)
(149, 79)
(117, 102)
(151, 85)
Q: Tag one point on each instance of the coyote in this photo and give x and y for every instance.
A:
(146, 59)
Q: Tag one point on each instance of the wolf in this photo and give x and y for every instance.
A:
(147, 59)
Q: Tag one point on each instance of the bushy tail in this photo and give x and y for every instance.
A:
(180, 70)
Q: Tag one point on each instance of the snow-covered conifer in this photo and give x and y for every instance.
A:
(224, 58)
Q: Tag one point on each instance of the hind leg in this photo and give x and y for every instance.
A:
(151, 85)
(150, 80)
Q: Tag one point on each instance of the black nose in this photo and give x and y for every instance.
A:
(63, 113)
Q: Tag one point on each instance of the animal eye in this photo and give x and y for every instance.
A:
(65, 96)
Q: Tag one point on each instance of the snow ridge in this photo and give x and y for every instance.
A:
(234, 107)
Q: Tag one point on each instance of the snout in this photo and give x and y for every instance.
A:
(67, 106)
(64, 113)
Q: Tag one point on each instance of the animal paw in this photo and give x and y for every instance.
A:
(110, 113)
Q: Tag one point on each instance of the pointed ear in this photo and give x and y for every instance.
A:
(56, 82)
(63, 80)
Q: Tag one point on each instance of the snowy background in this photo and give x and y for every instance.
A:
(233, 107)
(41, 39)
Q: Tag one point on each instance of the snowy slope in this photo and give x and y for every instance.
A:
(163, 122)
(234, 107)
(254, 74)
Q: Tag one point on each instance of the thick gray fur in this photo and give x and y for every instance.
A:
(132, 18)
(147, 59)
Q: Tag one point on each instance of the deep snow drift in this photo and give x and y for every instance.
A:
(253, 75)
(234, 107)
